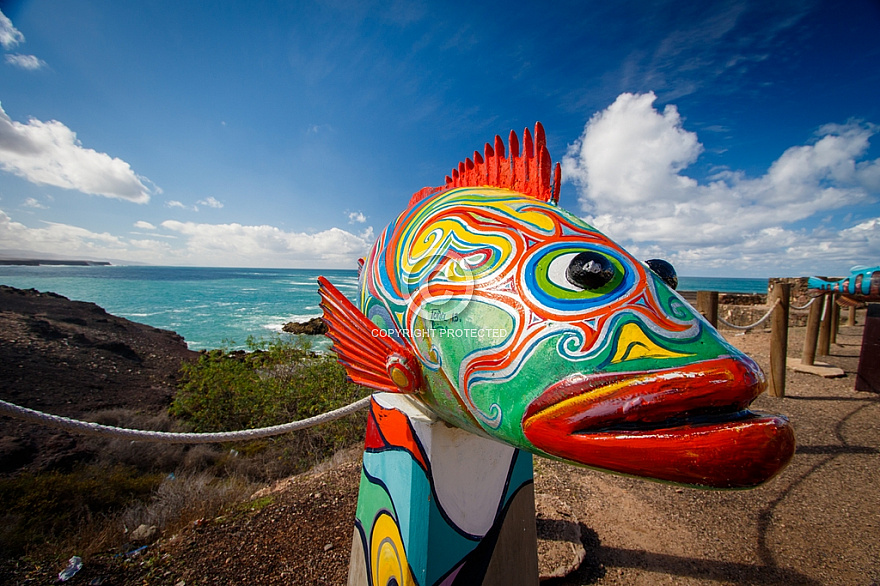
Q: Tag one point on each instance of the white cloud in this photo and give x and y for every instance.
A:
(57, 238)
(188, 243)
(628, 165)
(9, 35)
(356, 217)
(653, 146)
(210, 202)
(29, 62)
(49, 153)
(239, 245)
(33, 203)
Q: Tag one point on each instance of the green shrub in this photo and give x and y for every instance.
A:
(278, 381)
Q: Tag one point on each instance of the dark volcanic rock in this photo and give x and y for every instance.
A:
(313, 327)
(73, 359)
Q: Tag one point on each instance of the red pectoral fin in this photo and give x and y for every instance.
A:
(369, 358)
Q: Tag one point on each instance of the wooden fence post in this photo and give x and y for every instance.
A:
(868, 374)
(852, 316)
(824, 346)
(779, 338)
(835, 318)
(812, 334)
(707, 304)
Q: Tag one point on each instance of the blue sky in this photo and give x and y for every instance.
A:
(731, 138)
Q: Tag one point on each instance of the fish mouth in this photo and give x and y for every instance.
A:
(688, 425)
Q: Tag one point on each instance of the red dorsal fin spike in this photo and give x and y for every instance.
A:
(491, 164)
(499, 148)
(528, 147)
(513, 145)
(528, 154)
(528, 170)
(504, 179)
(470, 174)
(557, 183)
(500, 160)
(480, 168)
(540, 138)
(544, 171)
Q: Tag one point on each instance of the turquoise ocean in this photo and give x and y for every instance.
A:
(222, 307)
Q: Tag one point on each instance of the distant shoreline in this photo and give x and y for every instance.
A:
(213, 307)
(35, 262)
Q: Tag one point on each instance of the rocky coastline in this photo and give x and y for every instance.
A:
(73, 359)
(313, 327)
(36, 262)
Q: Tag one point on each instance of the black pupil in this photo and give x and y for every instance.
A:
(664, 270)
(590, 270)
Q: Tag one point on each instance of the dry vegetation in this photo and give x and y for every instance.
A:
(109, 497)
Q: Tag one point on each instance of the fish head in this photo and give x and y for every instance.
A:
(535, 329)
(516, 320)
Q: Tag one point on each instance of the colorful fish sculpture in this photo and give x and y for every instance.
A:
(513, 319)
(862, 285)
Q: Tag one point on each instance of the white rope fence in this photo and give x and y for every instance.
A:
(89, 428)
(754, 325)
(802, 307)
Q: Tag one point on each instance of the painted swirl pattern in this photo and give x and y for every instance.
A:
(485, 250)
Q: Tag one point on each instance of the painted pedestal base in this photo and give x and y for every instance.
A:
(440, 506)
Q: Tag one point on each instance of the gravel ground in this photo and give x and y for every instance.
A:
(818, 522)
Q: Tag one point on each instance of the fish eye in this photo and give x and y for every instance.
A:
(570, 277)
(664, 270)
(590, 270)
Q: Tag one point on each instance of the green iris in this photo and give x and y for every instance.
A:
(551, 279)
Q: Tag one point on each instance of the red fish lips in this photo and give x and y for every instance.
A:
(688, 425)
